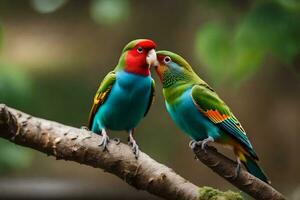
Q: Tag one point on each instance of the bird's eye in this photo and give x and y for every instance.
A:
(167, 59)
(139, 50)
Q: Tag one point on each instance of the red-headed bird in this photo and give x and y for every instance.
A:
(126, 93)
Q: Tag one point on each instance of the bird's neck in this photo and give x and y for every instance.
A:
(133, 66)
(174, 92)
(141, 71)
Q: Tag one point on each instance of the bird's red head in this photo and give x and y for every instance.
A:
(139, 56)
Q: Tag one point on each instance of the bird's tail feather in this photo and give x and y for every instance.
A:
(253, 168)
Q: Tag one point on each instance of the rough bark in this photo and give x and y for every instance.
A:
(65, 142)
(246, 182)
(69, 143)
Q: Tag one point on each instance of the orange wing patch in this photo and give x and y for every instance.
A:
(100, 97)
(215, 116)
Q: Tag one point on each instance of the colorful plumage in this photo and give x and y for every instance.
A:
(197, 109)
(126, 93)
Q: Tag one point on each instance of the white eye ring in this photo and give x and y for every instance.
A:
(139, 50)
(167, 59)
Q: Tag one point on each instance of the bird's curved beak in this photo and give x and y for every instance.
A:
(151, 58)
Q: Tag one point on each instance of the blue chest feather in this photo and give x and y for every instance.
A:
(126, 103)
(190, 120)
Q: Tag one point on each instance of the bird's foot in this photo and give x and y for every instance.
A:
(85, 128)
(104, 141)
(193, 144)
(237, 170)
(134, 146)
(135, 149)
(203, 143)
(116, 140)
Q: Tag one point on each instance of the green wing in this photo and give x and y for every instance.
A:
(101, 95)
(152, 97)
(211, 106)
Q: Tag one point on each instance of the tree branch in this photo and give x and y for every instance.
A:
(245, 181)
(65, 142)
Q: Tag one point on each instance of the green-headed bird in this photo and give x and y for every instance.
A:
(197, 109)
(126, 93)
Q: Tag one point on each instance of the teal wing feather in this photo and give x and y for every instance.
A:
(101, 95)
(152, 97)
(211, 106)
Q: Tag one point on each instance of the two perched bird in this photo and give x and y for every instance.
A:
(126, 94)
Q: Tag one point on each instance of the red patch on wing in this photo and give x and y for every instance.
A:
(215, 116)
(136, 62)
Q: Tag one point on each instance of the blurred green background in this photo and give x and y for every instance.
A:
(54, 53)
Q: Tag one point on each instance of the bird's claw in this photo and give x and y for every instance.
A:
(135, 148)
(203, 146)
(133, 144)
(193, 144)
(205, 141)
(104, 141)
(85, 128)
(237, 170)
(117, 140)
